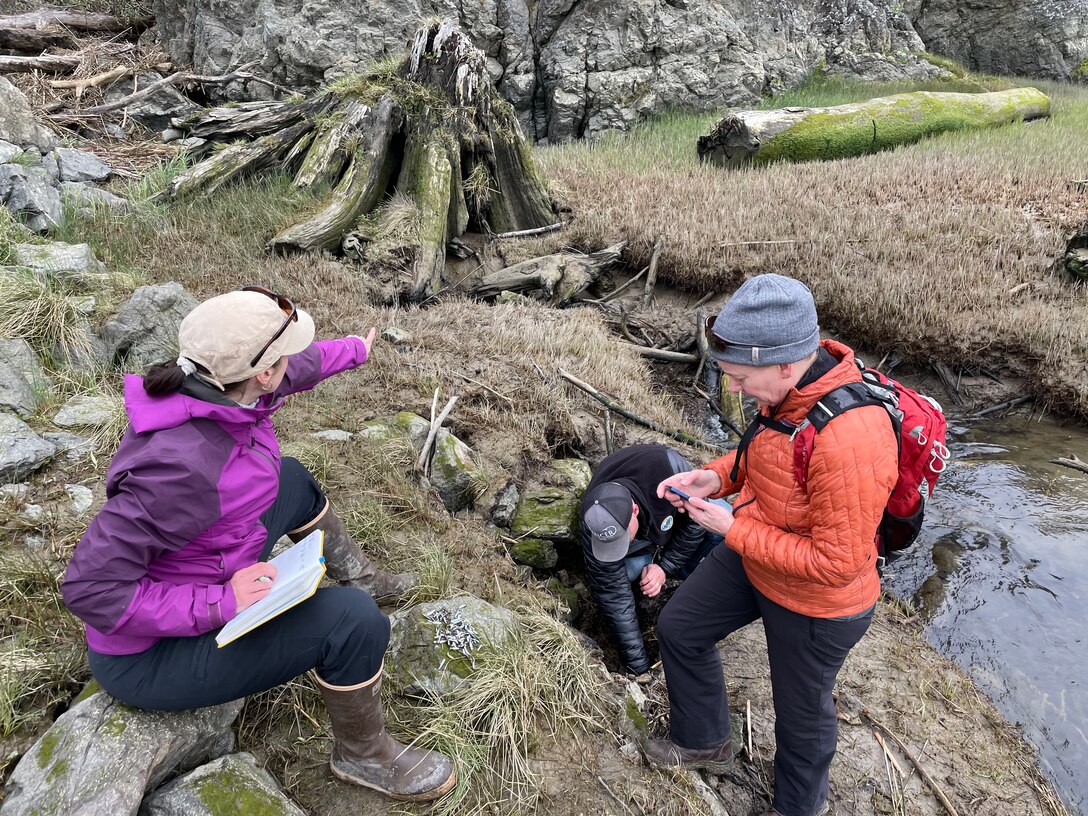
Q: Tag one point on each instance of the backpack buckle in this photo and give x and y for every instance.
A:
(798, 429)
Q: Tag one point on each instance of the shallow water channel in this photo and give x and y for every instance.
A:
(1001, 570)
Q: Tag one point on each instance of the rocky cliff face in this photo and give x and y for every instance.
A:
(570, 67)
(1042, 38)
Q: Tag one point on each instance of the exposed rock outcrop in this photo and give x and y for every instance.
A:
(569, 68)
(1045, 38)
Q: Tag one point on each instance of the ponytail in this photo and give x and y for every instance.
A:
(163, 379)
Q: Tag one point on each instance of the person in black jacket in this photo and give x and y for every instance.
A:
(629, 535)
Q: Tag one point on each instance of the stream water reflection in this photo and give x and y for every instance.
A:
(1002, 569)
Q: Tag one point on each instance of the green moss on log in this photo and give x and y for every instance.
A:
(883, 123)
(228, 792)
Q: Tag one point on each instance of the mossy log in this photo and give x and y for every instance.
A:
(561, 278)
(843, 131)
(428, 126)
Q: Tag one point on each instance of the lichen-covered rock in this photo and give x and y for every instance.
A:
(29, 195)
(145, 331)
(232, 785)
(75, 448)
(569, 69)
(538, 553)
(82, 498)
(433, 646)
(414, 427)
(455, 474)
(17, 123)
(75, 264)
(1050, 39)
(506, 503)
(87, 411)
(21, 450)
(570, 597)
(550, 510)
(101, 757)
(79, 165)
(89, 197)
(333, 435)
(22, 379)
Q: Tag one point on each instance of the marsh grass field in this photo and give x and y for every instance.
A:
(915, 251)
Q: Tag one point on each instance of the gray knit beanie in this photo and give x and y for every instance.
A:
(770, 319)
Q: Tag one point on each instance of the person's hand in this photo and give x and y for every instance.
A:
(711, 516)
(250, 584)
(696, 483)
(652, 580)
(367, 341)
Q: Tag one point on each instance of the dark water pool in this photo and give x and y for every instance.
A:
(1003, 568)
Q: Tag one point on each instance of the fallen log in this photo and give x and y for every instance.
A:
(561, 277)
(843, 131)
(79, 20)
(46, 63)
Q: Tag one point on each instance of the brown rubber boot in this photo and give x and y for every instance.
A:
(346, 562)
(667, 754)
(364, 754)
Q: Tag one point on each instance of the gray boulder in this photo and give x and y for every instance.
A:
(28, 193)
(156, 111)
(21, 450)
(75, 448)
(22, 380)
(79, 165)
(86, 411)
(8, 151)
(1044, 38)
(145, 331)
(434, 646)
(233, 784)
(75, 264)
(86, 196)
(17, 123)
(455, 474)
(102, 756)
(570, 69)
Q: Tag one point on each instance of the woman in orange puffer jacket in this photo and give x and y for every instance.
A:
(801, 558)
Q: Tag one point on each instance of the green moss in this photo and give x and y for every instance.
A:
(537, 553)
(956, 69)
(637, 718)
(550, 512)
(1081, 71)
(115, 726)
(59, 770)
(92, 688)
(229, 792)
(896, 120)
(48, 746)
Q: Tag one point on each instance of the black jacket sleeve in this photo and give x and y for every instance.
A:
(685, 541)
(612, 592)
(687, 536)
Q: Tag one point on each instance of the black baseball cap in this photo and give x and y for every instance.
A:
(608, 512)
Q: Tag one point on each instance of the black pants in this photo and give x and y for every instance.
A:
(339, 631)
(805, 656)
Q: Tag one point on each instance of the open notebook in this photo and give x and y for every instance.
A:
(298, 572)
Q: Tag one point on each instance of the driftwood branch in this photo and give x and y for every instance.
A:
(651, 278)
(1071, 462)
(1002, 406)
(615, 293)
(47, 63)
(663, 354)
(929, 780)
(950, 385)
(173, 79)
(615, 798)
(562, 277)
(608, 402)
(528, 232)
(425, 455)
(80, 20)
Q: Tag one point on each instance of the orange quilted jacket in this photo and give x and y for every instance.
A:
(812, 550)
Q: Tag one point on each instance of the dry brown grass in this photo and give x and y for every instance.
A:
(915, 250)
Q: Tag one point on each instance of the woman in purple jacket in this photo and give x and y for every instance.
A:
(196, 497)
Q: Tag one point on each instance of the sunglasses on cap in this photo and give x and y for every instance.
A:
(286, 306)
(718, 344)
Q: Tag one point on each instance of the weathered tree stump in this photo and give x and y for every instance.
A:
(844, 131)
(429, 127)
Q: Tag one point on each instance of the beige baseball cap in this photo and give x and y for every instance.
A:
(224, 333)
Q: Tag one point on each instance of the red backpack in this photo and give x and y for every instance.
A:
(920, 431)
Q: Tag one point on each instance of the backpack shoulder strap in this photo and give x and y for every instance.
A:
(835, 402)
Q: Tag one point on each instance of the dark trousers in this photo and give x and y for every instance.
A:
(339, 631)
(805, 657)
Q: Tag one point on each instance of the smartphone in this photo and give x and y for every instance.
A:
(679, 493)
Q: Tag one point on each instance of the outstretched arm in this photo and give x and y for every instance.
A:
(321, 360)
